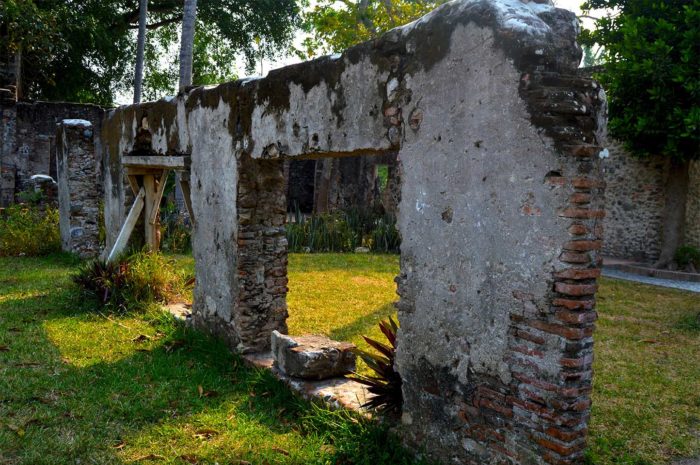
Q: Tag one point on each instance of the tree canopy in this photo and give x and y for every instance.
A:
(337, 25)
(88, 46)
(651, 73)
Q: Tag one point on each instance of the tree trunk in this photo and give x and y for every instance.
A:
(187, 42)
(140, 47)
(322, 188)
(674, 213)
(19, 90)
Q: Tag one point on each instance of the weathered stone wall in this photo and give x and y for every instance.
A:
(79, 188)
(27, 139)
(262, 252)
(8, 170)
(500, 213)
(635, 199)
(692, 209)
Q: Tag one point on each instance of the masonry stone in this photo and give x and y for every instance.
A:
(79, 188)
(635, 200)
(497, 144)
(28, 140)
(312, 356)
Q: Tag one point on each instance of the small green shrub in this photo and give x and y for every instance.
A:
(687, 255)
(31, 197)
(29, 230)
(133, 283)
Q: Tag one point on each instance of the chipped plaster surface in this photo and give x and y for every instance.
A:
(482, 168)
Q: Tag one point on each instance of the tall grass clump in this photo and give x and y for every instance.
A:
(29, 230)
(133, 283)
(343, 231)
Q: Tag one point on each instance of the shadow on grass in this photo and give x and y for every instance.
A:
(361, 325)
(173, 384)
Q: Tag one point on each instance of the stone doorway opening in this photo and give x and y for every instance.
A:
(343, 245)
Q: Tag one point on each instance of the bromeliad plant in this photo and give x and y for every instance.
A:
(385, 384)
(134, 282)
(105, 280)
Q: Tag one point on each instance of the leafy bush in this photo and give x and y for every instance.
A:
(29, 230)
(343, 231)
(134, 282)
(386, 383)
(687, 255)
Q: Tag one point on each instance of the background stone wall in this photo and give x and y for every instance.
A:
(28, 138)
(8, 169)
(635, 200)
(79, 188)
(692, 210)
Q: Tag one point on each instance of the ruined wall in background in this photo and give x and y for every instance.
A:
(635, 199)
(692, 210)
(27, 140)
(36, 129)
(500, 213)
(8, 170)
(79, 188)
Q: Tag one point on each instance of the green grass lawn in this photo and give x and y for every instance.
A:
(79, 387)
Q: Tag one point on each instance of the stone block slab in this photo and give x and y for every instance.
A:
(312, 357)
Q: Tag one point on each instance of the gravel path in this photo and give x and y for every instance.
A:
(684, 285)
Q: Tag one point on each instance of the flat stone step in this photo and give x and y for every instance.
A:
(336, 392)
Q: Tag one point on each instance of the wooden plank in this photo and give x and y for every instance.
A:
(159, 195)
(139, 171)
(128, 226)
(149, 184)
(134, 183)
(185, 186)
(154, 161)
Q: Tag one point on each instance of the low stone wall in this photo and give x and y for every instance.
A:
(79, 188)
(501, 194)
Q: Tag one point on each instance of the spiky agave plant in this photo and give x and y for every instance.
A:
(385, 384)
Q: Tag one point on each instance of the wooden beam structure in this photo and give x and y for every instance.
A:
(147, 175)
(128, 226)
(155, 162)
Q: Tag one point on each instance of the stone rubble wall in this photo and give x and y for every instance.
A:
(8, 170)
(27, 139)
(692, 208)
(262, 252)
(501, 194)
(79, 188)
(635, 200)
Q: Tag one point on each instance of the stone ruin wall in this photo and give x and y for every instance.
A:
(500, 213)
(635, 199)
(80, 188)
(28, 140)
